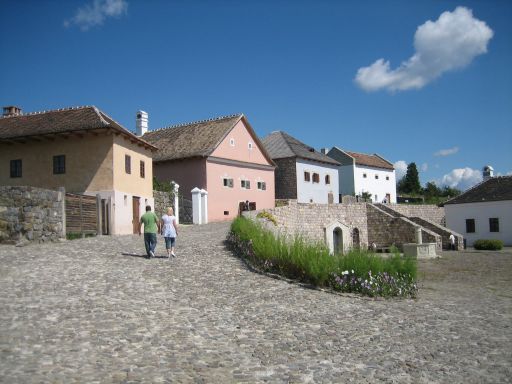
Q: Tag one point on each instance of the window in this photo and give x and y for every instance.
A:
(470, 225)
(306, 176)
(250, 145)
(227, 182)
(387, 177)
(128, 164)
(327, 179)
(316, 178)
(232, 142)
(262, 185)
(376, 177)
(142, 169)
(494, 224)
(245, 184)
(16, 168)
(364, 175)
(59, 164)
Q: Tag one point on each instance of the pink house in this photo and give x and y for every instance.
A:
(223, 156)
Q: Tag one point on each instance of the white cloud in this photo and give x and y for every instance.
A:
(449, 43)
(424, 167)
(447, 152)
(400, 169)
(95, 13)
(462, 178)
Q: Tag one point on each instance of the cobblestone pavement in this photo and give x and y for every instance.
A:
(91, 310)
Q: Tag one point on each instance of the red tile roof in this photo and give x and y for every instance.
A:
(61, 121)
(370, 160)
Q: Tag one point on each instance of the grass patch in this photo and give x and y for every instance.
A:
(309, 262)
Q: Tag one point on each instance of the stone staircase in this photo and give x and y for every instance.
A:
(430, 225)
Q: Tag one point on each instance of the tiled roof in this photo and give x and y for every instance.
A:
(60, 121)
(370, 160)
(196, 139)
(281, 145)
(494, 189)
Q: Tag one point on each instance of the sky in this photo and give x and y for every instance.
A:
(414, 81)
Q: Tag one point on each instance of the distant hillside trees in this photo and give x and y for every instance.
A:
(409, 185)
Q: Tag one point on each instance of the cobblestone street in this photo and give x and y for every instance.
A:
(95, 310)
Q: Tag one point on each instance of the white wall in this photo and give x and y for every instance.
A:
(456, 215)
(316, 192)
(122, 209)
(346, 177)
(377, 187)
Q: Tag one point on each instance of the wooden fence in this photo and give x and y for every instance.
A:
(81, 214)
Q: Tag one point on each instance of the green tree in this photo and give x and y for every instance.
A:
(410, 183)
(431, 190)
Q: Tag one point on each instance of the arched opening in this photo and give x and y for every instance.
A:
(337, 236)
(355, 238)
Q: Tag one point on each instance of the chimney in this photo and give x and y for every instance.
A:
(488, 172)
(12, 110)
(325, 151)
(141, 122)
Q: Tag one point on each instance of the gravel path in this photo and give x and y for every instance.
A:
(94, 310)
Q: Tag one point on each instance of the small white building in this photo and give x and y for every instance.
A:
(360, 173)
(302, 173)
(484, 211)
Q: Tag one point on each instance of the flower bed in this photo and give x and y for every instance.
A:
(358, 271)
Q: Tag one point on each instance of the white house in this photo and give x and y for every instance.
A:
(359, 173)
(484, 211)
(302, 173)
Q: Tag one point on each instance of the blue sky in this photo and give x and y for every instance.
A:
(367, 76)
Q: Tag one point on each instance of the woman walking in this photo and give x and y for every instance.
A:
(170, 231)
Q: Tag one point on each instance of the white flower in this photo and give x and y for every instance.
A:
(344, 273)
(352, 271)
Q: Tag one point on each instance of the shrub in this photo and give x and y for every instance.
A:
(306, 261)
(489, 245)
(268, 216)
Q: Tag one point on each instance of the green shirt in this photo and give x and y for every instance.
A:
(150, 220)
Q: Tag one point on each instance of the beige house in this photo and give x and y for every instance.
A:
(83, 150)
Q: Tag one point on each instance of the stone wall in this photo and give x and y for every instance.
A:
(286, 178)
(162, 202)
(31, 214)
(374, 225)
(311, 220)
(431, 213)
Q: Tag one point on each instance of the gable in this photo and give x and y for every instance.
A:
(340, 156)
(236, 146)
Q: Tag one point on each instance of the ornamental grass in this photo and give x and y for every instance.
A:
(310, 262)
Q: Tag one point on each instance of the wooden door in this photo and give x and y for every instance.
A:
(330, 198)
(388, 198)
(136, 217)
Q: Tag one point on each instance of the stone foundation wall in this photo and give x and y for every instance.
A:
(31, 214)
(286, 178)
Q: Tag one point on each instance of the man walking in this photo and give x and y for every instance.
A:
(151, 228)
(452, 242)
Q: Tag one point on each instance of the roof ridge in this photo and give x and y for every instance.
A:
(197, 122)
(469, 189)
(50, 110)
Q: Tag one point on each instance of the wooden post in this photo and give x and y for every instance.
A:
(81, 218)
(62, 195)
(99, 228)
